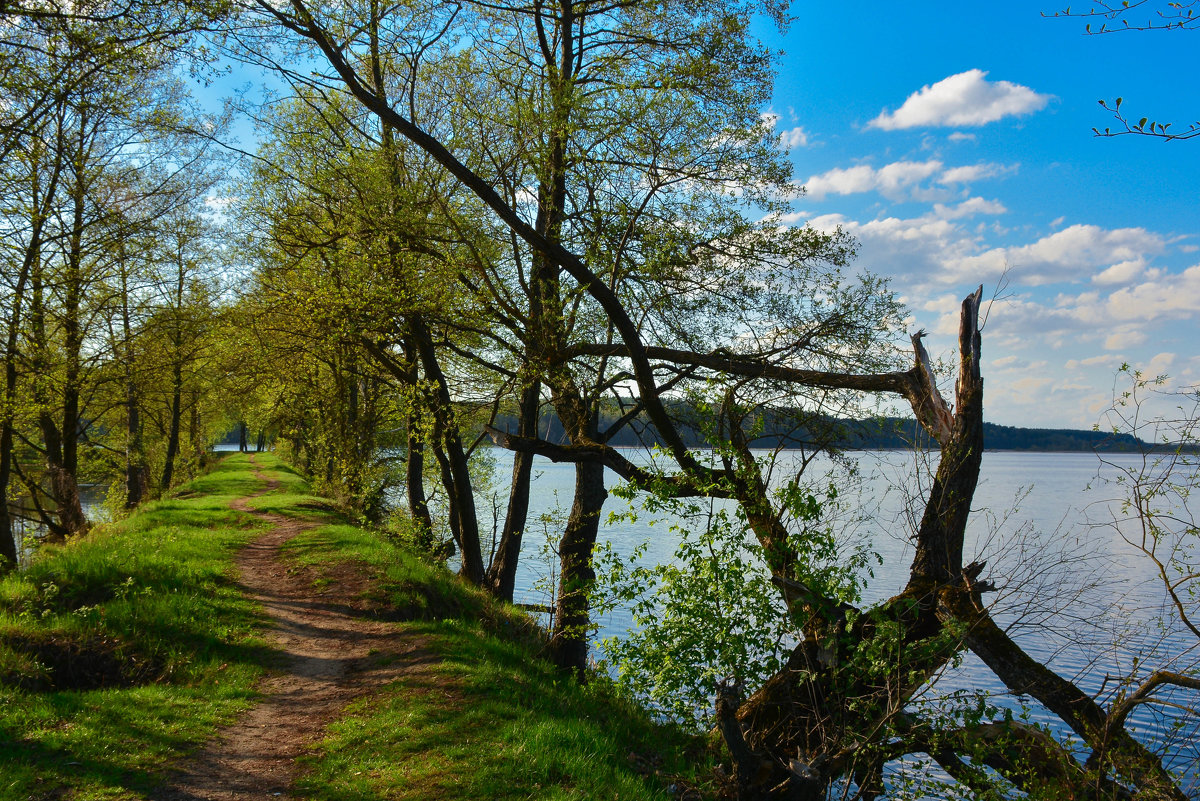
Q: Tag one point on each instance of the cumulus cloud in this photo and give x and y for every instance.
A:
(948, 249)
(974, 172)
(1074, 253)
(1121, 273)
(968, 208)
(1124, 339)
(1123, 319)
(1109, 301)
(793, 138)
(1104, 360)
(1171, 295)
(891, 180)
(1160, 364)
(965, 99)
(902, 180)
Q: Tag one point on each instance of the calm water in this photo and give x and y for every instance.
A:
(1073, 594)
(27, 533)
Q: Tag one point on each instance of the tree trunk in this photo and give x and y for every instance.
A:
(195, 436)
(59, 487)
(64, 478)
(568, 644)
(795, 726)
(414, 481)
(8, 542)
(502, 573)
(137, 472)
(414, 466)
(242, 437)
(173, 427)
(453, 458)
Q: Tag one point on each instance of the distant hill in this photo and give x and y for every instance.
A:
(901, 433)
(875, 434)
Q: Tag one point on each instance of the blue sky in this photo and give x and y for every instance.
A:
(955, 142)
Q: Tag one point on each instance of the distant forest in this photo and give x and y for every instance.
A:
(883, 433)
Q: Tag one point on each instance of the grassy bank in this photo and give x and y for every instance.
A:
(495, 722)
(123, 651)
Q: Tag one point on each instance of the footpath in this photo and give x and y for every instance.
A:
(330, 651)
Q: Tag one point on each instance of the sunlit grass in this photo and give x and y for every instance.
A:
(152, 603)
(493, 720)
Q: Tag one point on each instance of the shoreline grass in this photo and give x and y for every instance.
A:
(497, 722)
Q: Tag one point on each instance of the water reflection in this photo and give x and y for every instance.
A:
(28, 531)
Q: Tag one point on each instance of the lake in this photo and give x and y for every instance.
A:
(1073, 593)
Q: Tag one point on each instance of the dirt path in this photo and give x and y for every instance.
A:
(331, 652)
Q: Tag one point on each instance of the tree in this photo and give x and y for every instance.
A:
(89, 140)
(1109, 18)
(1154, 507)
(592, 117)
(26, 230)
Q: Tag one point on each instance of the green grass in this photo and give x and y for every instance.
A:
(497, 722)
(124, 649)
(293, 497)
(147, 611)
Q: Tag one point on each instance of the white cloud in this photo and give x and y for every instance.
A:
(1114, 303)
(959, 136)
(524, 196)
(1160, 364)
(220, 204)
(1126, 338)
(793, 138)
(965, 99)
(968, 208)
(891, 180)
(1104, 360)
(1121, 273)
(901, 180)
(1126, 318)
(938, 249)
(973, 172)
(1172, 295)
(1072, 254)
